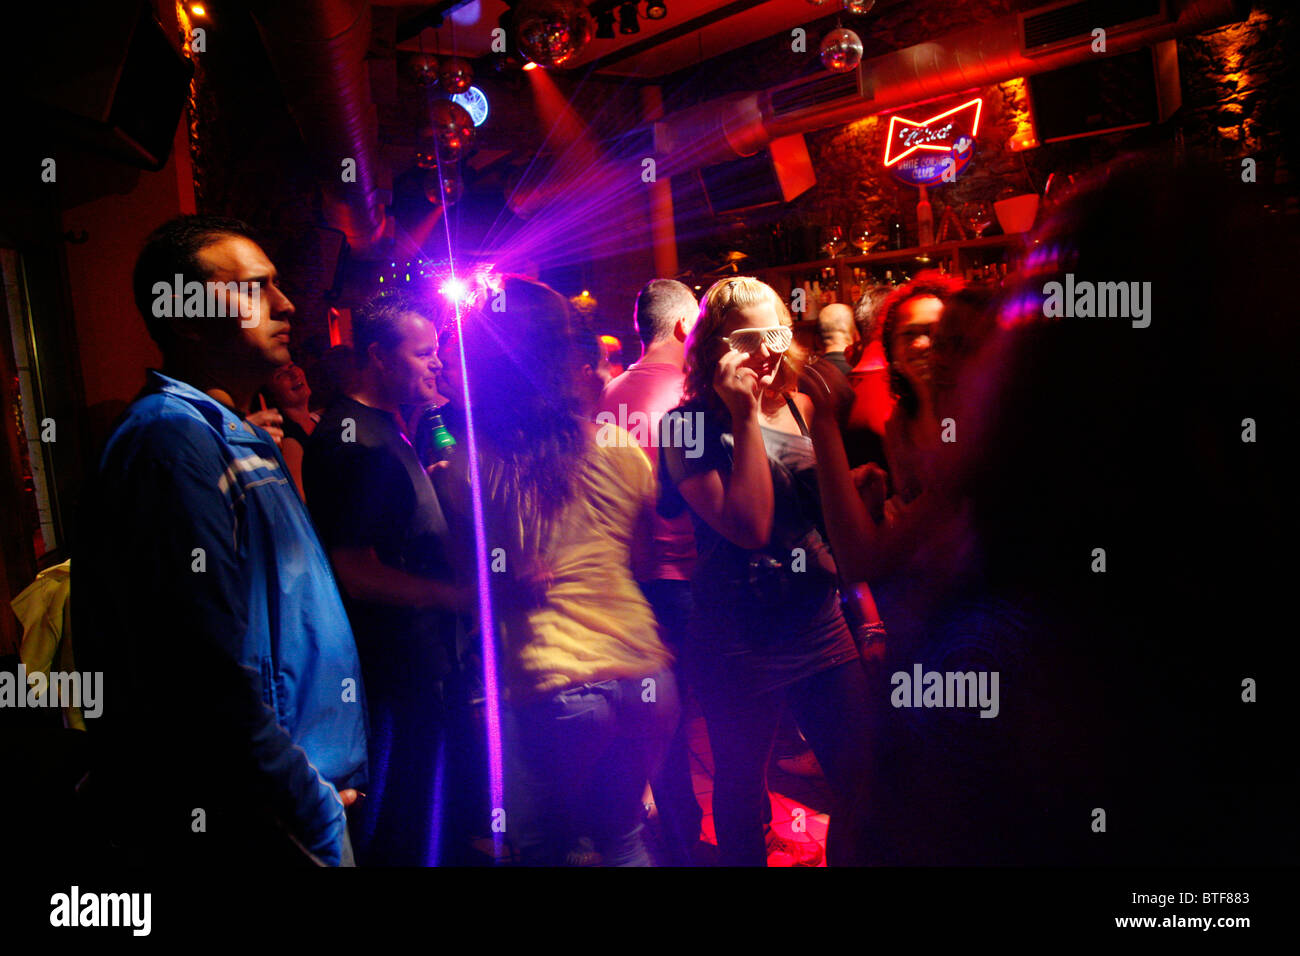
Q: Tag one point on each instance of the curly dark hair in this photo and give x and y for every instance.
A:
(928, 283)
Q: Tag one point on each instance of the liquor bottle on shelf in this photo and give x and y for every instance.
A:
(924, 220)
(830, 286)
(895, 231)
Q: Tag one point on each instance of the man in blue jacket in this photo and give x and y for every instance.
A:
(233, 725)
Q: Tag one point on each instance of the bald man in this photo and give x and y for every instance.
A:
(835, 322)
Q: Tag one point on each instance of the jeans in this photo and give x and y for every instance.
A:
(577, 763)
(347, 858)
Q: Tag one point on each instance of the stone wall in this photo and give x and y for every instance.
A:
(1240, 94)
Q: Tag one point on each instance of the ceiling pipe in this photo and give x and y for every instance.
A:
(712, 132)
(318, 49)
(731, 127)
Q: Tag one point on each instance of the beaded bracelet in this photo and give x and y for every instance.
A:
(865, 634)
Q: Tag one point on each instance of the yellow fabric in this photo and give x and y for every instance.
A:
(45, 613)
(595, 624)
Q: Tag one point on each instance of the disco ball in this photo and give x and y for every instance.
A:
(858, 7)
(551, 32)
(431, 182)
(423, 68)
(434, 151)
(453, 187)
(443, 188)
(841, 50)
(451, 126)
(455, 75)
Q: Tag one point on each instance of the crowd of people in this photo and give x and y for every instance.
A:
(1049, 516)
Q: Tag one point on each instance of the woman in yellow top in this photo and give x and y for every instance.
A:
(590, 700)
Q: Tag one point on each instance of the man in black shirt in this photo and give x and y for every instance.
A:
(386, 536)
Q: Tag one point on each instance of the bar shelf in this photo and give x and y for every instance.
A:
(964, 258)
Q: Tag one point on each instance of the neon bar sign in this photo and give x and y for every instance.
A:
(926, 152)
(944, 133)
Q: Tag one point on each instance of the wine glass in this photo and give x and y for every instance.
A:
(979, 216)
(1057, 185)
(832, 240)
(862, 235)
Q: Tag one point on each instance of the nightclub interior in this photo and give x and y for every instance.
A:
(693, 434)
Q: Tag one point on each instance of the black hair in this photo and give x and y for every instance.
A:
(333, 376)
(173, 249)
(866, 311)
(926, 284)
(379, 320)
(588, 350)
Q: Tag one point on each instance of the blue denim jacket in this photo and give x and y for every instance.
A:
(199, 537)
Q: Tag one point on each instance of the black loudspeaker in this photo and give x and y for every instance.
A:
(1107, 95)
(778, 174)
(103, 76)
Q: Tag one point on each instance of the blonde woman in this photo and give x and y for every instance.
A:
(768, 631)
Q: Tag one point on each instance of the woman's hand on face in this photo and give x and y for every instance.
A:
(737, 386)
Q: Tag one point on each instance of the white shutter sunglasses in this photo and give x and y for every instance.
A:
(777, 338)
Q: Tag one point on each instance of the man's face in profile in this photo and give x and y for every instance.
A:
(258, 313)
(413, 365)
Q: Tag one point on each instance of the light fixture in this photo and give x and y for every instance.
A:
(455, 75)
(605, 24)
(530, 65)
(585, 304)
(198, 10)
(627, 22)
(455, 289)
(841, 50)
(656, 10)
(551, 32)
(475, 103)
